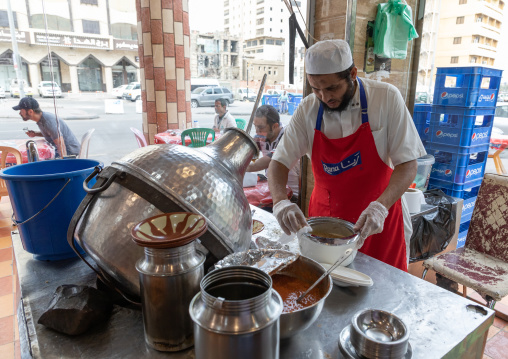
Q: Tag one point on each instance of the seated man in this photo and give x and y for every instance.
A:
(269, 132)
(223, 119)
(65, 142)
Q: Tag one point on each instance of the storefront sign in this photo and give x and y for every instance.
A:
(21, 36)
(72, 41)
(125, 45)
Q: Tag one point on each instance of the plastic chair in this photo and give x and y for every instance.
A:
(140, 138)
(482, 264)
(85, 141)
(198, 136)
(3, 160)
(240, 123)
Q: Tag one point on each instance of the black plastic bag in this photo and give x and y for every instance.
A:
(433, 232)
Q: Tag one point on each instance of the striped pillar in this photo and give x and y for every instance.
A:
(164, 58)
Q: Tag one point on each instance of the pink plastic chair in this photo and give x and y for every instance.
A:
(140, 138)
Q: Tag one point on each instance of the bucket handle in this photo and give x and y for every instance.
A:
(42, 210)
(95, 172)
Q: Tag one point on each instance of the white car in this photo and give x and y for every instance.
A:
(118, 91)
(49, 89)
(2, 92)
(132, 92)
(15, 91)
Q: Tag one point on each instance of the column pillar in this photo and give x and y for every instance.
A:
(108, 74)
(73, 72)
(164, 57)
(35, 77)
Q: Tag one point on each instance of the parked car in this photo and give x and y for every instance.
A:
(15, 88)
(206, 96)
(422, 97)
(2, 92)
(244, 94)
(134, 94)
(127, 92)
(118, 91)
(49, 89)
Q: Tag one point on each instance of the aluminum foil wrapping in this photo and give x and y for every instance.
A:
(268, 260)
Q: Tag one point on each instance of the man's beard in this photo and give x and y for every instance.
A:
(346, 99)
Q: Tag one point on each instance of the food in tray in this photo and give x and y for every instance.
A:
(290, 289)
(257, 226)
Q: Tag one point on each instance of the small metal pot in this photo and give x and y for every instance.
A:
(376, 334)
(326, 249)
(236, 315)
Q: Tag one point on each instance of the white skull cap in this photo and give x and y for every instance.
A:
(328, 57)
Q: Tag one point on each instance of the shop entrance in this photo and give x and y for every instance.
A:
(90, 75)
(7, 71)
(46, 70)
(123, 73)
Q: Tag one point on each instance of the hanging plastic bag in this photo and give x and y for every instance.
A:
(393, 29)
(433, 232)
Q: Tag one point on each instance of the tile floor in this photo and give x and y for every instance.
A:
(496, 348)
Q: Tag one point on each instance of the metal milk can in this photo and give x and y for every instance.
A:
(169, 276)
(236, 315)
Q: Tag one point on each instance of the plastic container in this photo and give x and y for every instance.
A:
(472, 86)
(459, 126)
(458, 168)
(461, 239)
(421, 180)
(31, 187)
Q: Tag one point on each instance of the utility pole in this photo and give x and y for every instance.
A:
(16, 59)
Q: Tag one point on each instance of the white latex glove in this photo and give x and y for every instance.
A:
(371, 221)
(289, 216)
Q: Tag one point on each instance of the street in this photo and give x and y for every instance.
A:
(113, 138)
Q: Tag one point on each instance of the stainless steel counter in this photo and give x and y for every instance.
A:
(442, 324)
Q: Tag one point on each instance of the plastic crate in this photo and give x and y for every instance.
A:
(458, 168)
(460, 150)
(473, 86)
(461, 239)
(460, 126)
(454, 189)
(421, 119)
(469, 196)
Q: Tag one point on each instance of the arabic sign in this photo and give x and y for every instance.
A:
(72, 41)
(21, 36)
(125, 45)
(348, 163)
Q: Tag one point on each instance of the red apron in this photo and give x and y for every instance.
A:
(349, 175)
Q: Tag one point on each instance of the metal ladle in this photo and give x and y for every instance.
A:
(346, 254)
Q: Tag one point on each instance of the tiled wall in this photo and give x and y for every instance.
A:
(164, 57)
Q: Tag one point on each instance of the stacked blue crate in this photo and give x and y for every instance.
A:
(459, 132)
(421, 118)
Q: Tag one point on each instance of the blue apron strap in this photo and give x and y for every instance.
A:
(319, 117)
(363, 103)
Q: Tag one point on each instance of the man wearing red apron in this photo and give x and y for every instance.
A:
(353, 178)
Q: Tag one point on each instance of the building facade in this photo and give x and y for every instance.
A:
(93, 44)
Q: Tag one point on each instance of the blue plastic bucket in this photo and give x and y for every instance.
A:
(31, 187)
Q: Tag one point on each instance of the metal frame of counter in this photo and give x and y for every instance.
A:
(442, 324)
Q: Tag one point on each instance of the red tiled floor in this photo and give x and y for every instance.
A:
(5, 254)
(499, 323)
(496, 347)
(6, 330)
(5, 231)
(5, 285)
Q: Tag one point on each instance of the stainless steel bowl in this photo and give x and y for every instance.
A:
(379, 334)
(299, 320)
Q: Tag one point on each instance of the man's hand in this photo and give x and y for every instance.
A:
(289, 216)
(371, 221)
(31, 133)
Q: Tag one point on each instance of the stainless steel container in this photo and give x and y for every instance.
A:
(169, 275)
(236, 315)
(329, 239)
(165, 178)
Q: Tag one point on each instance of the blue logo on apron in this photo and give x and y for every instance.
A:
(348, 163)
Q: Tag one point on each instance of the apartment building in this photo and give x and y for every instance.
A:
(93, 43)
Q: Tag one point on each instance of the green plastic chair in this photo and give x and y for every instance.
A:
(240, 123)
(198, 136)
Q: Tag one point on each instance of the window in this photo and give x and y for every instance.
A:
(260, 11)
(124, 31)
(269, 72)
(270, 42)
(281, 30)
(479, 19)
(225, 90)
(226, 12)
(91, 27)
(226, 3)
(259, 50)
(4, 20)
(454, 60)
(457, 40)
(275, 72)
(473, 59)
(260, 1)
(226, 21)
(270, 29)
(260, 21)
(279, 42)
(217, 90)
(270, 19)
(259, 31)
(460, 20)
(208, 91)
(254, 42)
(476, 39)
(462, 2)
(90, 2)
(54, 22)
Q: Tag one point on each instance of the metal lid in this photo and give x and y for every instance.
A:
(169, 230)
